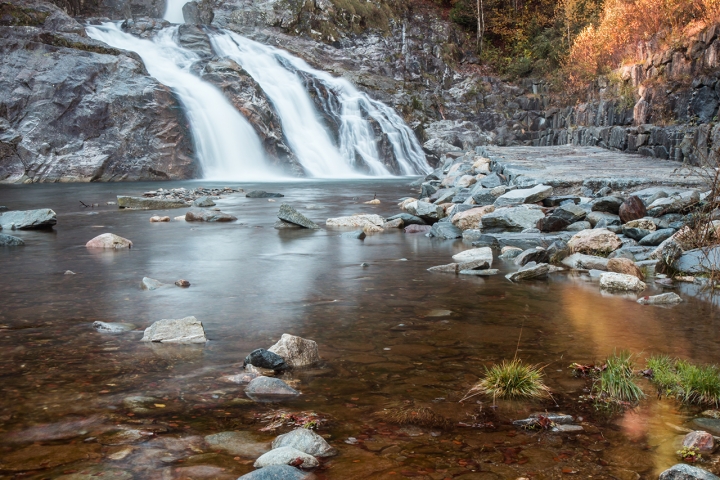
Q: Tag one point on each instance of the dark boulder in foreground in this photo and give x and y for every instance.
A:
(263, 194)
(289, 214)
(28, 219)
(683, 471)
(265, 359)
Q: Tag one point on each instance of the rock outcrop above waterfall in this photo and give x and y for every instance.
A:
(74, 109)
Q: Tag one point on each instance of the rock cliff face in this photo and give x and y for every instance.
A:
(73, 109)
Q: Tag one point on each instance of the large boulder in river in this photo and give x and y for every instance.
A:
(305, 440)
(512, 219)
(296, 351)
(286, 456)
(148, 203)
(208, 216)
(10, 241)
(28, 219)
(289, 214)
(109, 240)
(79, 110)
(181, 330)
(620, 281)
(597, 240)
(524, 195)
(471, 219)
(683, 471)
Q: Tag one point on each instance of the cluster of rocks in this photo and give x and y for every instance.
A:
(175, 198)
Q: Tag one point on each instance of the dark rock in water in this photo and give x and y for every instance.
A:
(10, 241)
(632, 209)
(276, 472)
(208, 216)
(182, 283)
(263, 194)
(491, 181)
(28, 219)
(557, 251)
(198, 13)
(144, 203)
(3, 208)
(203, 202)
(607, 204)
(358, 235)
(657, 237)
(113, 328)
(682, 471)
(270, 389)
(289, 214)
(636, 233)
(552, 224)
(537, 255)
(407, 219)
(711, 425)
(265, 359)
(445, 230)
(554, 201)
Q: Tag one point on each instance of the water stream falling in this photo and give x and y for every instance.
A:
(227, 146)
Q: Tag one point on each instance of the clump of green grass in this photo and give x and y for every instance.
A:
(688, 383)
(511, 380)
(616, 380)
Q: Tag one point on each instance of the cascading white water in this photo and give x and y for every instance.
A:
(227, 146)
(276, 71)
(301, 123)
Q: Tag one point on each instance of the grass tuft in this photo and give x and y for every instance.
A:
(510, 380)
(410, 415)
(688, 383)
(616, 381)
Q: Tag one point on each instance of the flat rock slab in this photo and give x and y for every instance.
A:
(711, 425)
(662, 299)
(182, 330)
(277, 472)
(263, 194)
(524, 195)
(568, 166)
(289, 214)
(28, 219)
(145, 203)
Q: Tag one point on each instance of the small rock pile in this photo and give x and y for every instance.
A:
(189, 195)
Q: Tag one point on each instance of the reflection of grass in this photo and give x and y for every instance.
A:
(616, 379)
(513, 379)
(687, 382)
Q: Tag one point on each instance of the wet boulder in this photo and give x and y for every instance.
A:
(28, 219)
(265, 359)
(626, 266)
(109, 240)
(621, 282)
(263, 194)
(445, 231)
(10, 241)
(204, 201)
(198, 13)
(289, 214)
(670, 298)
(632, 209)
(182, 330)
(269, 389)
(682, 471)
(296, 351)
(286, 456)
(529, 271)
(407, 219)
(512, 219)
(145, 203)
(208, 216)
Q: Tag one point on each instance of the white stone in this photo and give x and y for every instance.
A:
(296, 351)
(474, 255)
(356, 221)
(182, 330)
(305, 440)
(620, 281)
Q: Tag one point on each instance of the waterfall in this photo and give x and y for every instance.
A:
(281, 74)
(173, 11)
(226, 144)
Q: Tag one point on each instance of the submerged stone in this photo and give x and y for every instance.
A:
(10, 241)
(182, 330)
(268, 388)
(286, 456)
(241, 444)
(277, 472)
(305, 440)
(263, 194)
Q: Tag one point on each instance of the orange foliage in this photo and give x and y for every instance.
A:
(624, 23)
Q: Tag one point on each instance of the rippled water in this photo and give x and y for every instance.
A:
(63, 384)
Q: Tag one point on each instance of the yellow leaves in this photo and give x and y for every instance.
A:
(160, 405)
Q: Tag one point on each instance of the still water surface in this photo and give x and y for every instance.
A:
(391, 334)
